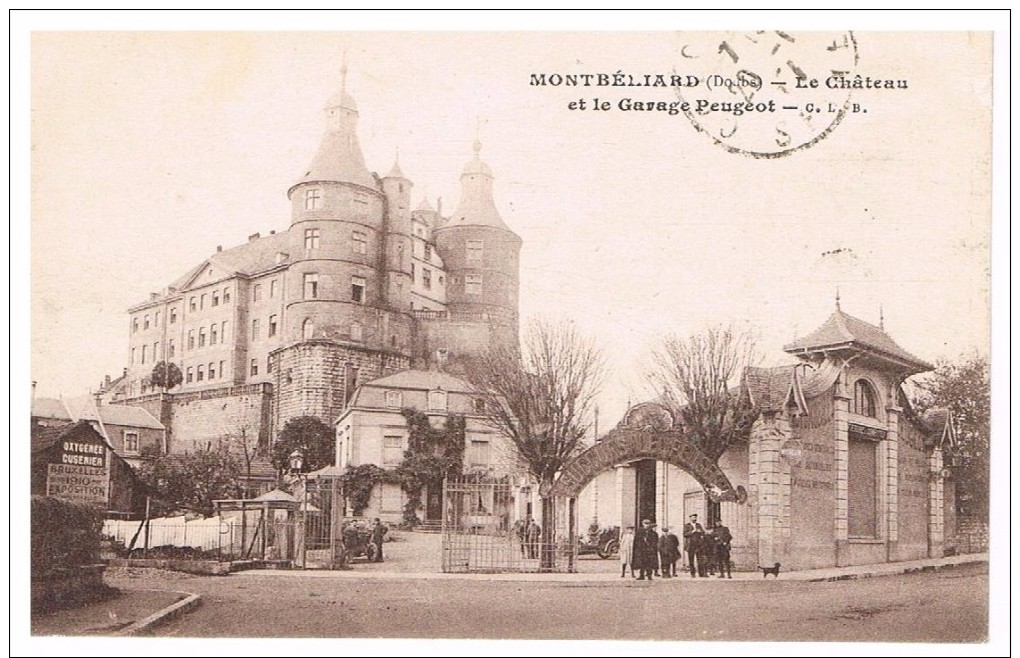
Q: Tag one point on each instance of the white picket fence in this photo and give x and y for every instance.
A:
(209, 534)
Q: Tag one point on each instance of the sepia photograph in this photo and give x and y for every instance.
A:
(420, 329)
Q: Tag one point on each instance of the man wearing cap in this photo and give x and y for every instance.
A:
(646, 550)
(694, 534)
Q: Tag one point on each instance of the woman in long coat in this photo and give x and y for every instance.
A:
(627, 552)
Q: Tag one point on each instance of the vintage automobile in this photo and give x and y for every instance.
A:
(357, 537)
(604, 541)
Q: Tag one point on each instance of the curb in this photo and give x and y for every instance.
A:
(187, 604)
(895, 572)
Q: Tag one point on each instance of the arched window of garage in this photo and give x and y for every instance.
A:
(864, 399)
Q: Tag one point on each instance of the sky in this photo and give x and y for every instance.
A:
(144, 151)
(150, 149)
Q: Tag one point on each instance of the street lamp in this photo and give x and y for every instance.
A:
(297, 462)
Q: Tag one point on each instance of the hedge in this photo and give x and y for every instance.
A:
(63, 535)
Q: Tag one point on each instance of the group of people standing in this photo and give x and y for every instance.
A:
(652, 554)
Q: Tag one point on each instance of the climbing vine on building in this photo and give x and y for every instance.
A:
(432, 454)
(358, 481)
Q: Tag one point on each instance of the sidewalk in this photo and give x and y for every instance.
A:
(116, 616)
(812, 575)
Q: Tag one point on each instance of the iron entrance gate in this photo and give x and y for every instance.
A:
(483, 532)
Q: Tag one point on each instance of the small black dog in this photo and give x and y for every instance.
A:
(774, 570)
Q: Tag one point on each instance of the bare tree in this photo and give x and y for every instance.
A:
(699, 378)
(541, 398)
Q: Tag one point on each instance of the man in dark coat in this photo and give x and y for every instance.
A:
(378, 532)
(694, 535)
(646, 550)
(669, 552)
(722, 537)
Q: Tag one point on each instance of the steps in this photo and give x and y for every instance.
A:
(429, 527)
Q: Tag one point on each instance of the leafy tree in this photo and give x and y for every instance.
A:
(311, 436)
(192, 480)
(698, 378)
(964, 388)
(432, 454)
(165, 375)
(542, 398)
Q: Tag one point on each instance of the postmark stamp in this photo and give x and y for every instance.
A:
(767, 94)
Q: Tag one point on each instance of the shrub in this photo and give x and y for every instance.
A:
(63, 535)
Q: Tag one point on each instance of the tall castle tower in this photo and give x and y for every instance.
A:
(481, 256)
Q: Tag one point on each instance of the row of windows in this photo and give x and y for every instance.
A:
(198, 373)
(478, 452)
(216, 333)
(146, 355)
(256, 291)
(311, 287)
(272, 329)
(198, 302)
(436, 401)
(359, 240)
(314, 201)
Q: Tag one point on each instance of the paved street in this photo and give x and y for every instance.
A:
(944, 606)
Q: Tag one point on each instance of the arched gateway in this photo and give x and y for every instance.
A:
(646, 432)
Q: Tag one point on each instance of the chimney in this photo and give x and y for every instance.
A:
(253, 237)
(125, 373)
(272, 233)
(219, 248)
(106, 381)
(441, 356)
(153, 296)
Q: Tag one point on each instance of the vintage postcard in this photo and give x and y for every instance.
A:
(658, 334)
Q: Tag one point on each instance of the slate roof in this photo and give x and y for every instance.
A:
(845, 331)
(422, 380)
(769, 388)
(112, 414)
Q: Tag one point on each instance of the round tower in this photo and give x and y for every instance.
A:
(397, 239)
(481, 255)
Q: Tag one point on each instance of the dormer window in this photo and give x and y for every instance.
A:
(393, 399)
(437, 400)
(864, 399)
(313, 199)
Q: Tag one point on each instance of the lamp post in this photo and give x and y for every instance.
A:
(297, 462)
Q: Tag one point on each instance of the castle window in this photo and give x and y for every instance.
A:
(255, 329)
(311, 286)
(201, 337)
(256, 293)
(130, 441)
(269, 364)
(143, 353)
(170, 348)
(145, 322)
(134, 325)
(212, 370)
(864, 399)
(200, 373)
(212, 334)
(359, 242)
(131, 361)
(223, 331)
(474, 251)
(426, 278)
(393, 399)
(478, 453)
(272, 289)
(440, 279)
(437, 400)
(428, 252)
(215, 299)
(190, 376)
(254, 367)
(173, 315)
(412, 271)
(358, 289)
(156, 320)
(393, 449)
(360, 204)
(473, 284)
(223, 371)
(307, 328)
(356, 331)
(155, 351)
(201, 302)
(311, 238)
(313, 199)
(272, 326)
(226, 295)
(192, 304)
(862, 488)
(191, 339)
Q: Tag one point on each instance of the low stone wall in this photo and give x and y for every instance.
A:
(69, 587)
(199, 567)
